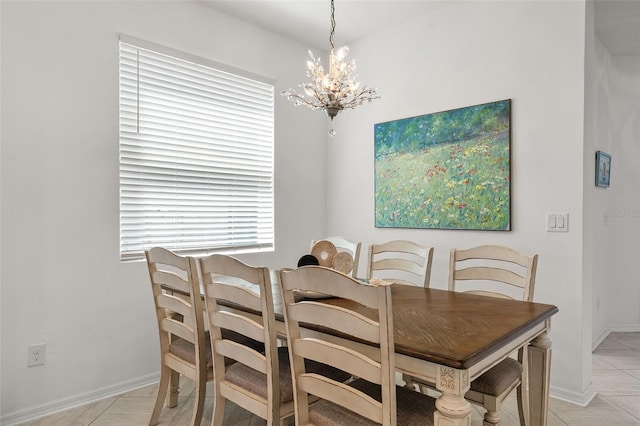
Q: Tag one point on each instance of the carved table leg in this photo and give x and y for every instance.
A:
(539, 377)
(453, 409)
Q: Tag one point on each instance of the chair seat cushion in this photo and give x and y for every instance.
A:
(413, 408)
(256, 382)
(498, 379)
(186, 350)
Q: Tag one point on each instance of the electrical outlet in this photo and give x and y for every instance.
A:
(36, 354)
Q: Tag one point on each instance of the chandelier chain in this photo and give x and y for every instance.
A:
(333, 25)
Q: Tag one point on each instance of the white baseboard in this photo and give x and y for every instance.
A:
(625, 328)
(78, 400)
(581, 400)
(600, 337)
(611, 328)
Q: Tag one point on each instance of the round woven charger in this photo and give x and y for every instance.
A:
(324, 251)
(343, 262)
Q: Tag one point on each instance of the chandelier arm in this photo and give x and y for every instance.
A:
(366, 95)
(319, 96)
(299, 99)
(308, 104)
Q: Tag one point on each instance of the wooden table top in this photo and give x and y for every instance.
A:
(458, 329)
(451, 328)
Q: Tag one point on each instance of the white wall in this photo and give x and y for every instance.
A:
(592, 271)
(621, 213)
(62, 282)
(470, 53)
(598, 121)
(613, 126)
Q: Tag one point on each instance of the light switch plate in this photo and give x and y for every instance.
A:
(557, 222)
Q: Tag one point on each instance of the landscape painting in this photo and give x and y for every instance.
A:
(447, 170)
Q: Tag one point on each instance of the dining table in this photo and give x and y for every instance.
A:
(450, 338)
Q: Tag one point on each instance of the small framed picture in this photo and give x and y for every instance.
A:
(603, 169)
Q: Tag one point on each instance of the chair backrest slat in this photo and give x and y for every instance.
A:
(491, 274)
(476, 268)
(174, 303)
(239, 323)
(324, 352)
(169, 279)
(336, 318)
(243, 296)
(242, 354)
(339, 392)
(400, 261)
(178, 328)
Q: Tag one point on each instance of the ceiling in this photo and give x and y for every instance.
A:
(617, 22)
(618, 26)
(309, 20)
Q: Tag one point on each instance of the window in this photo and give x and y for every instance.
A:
(196, 154)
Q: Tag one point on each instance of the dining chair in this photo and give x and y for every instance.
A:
(497, 271)
(184, 348)
(403, 262)
(343, 245)
(258, 381)
(363, 312)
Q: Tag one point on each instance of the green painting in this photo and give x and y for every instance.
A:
(447, 170)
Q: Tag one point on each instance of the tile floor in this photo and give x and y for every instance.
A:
(616, 378)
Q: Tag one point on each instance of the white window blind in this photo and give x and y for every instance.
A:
(196, 155)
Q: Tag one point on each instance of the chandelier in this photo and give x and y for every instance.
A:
(336, 90)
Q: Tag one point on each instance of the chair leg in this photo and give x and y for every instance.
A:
(522, 397)
(198, 405)
(427, 390)
(522, 391)
(408, 382)
(163, 386)
(218, 409)
(491, 418)
(175, 389)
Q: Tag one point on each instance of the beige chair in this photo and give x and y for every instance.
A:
(497, 271)
(184, 349)
(373, 398)
(344, 245)
(402, 262)
(260, 382)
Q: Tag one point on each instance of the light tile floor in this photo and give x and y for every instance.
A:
(616, 378)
